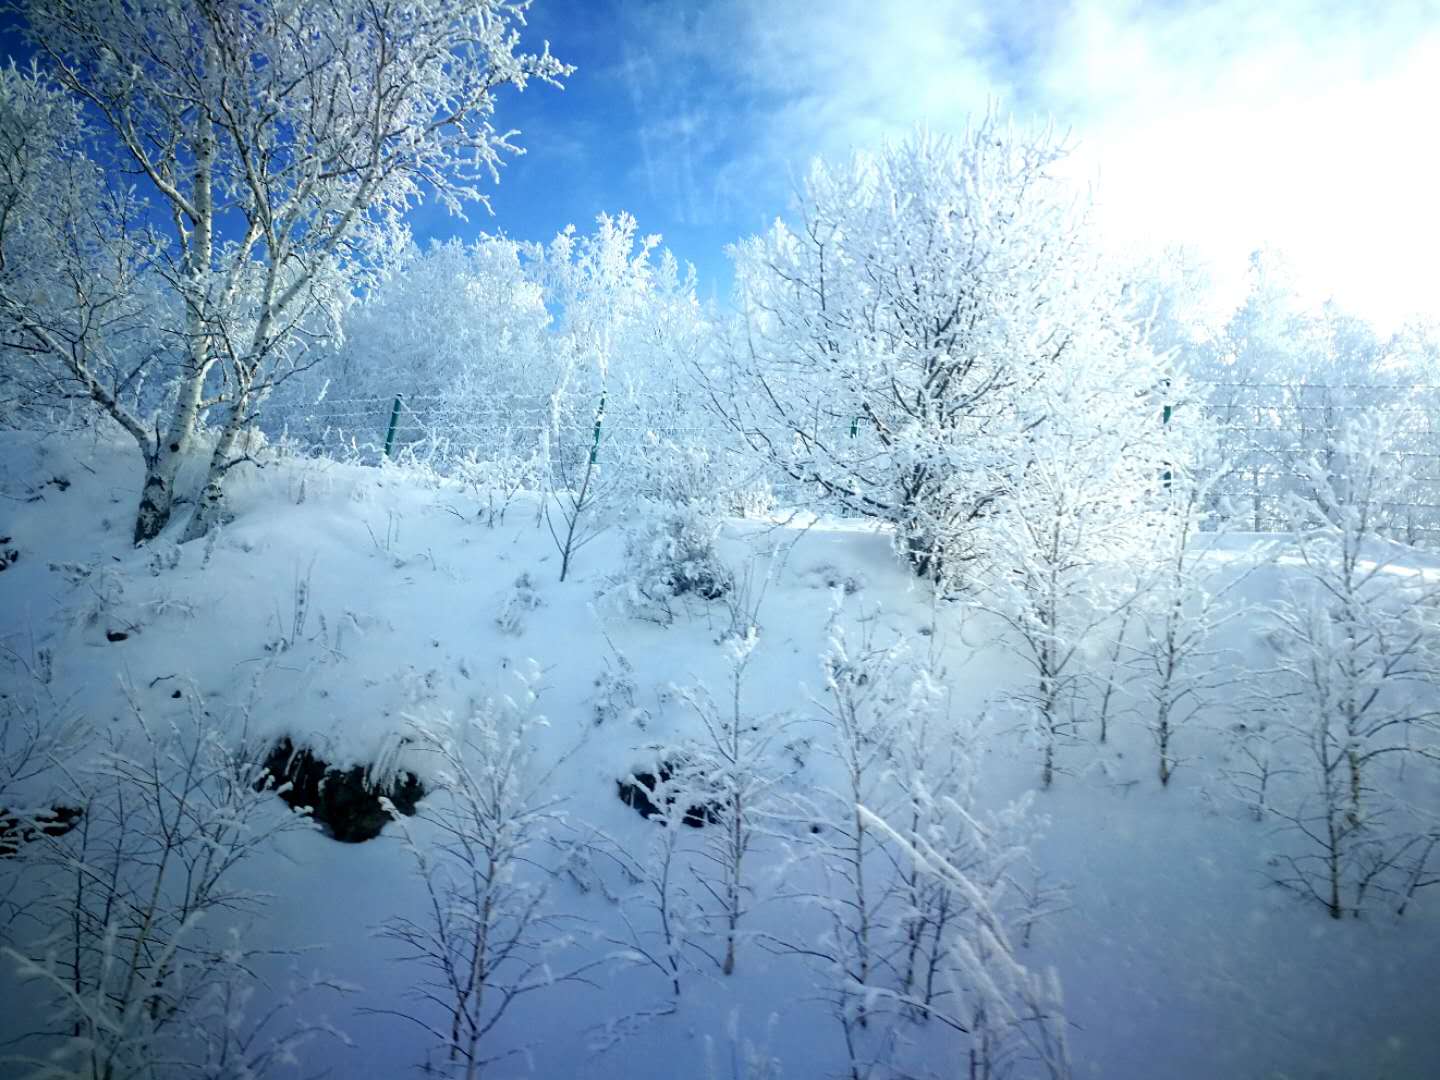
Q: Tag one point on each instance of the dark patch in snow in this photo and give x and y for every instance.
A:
(16, 830)
(8, 556)
(707, 581)
(116, 635)
(345, 802)
(651, 795)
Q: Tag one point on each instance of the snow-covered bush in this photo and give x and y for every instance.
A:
(497, 479)
(670, 556)
(617, 693)
(519, 602)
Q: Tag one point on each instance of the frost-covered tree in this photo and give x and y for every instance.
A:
(1079, 492)
(669, 936)
(457, 330)
(1355, 679)
(281, 144)
(1283, 375)
(1183, 603)
(1012, 1020)
(898, 943)
(38, 733)
(81, 315)
(131, 950)
(892, 338)
(627, 331)
(487, 936)
(728, 768)
(863, 707)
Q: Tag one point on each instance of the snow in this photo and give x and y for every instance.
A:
(1177, 956)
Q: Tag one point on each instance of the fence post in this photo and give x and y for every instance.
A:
(599, 418)
(1165, 412)
(394, 420)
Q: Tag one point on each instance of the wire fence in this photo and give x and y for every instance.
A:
(1275, 433)
(443, 434)
(1271, 433)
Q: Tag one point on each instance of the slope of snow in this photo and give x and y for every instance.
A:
(347, 600)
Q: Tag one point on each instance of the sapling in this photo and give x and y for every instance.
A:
(1355, 677)
(729, 762)
(487, 936)
(130, 956)
(1181, 609)
(577, 492)
(1008, 1017)
(863, 706)
(1061, 534)
(673, 941)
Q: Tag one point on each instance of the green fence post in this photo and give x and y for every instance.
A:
(599, 418)
(1165, 412)
(394, 420)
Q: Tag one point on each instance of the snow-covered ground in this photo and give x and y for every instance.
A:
(349, 600)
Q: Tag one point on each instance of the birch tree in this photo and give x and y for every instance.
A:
(283, 143)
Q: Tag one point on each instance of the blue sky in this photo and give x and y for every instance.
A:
(1304, 124)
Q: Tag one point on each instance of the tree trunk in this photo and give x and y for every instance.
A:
(923, 555)
(157, 498)
(211, 504)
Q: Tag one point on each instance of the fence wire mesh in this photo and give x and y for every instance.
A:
(1271, 432)
(1274, 432)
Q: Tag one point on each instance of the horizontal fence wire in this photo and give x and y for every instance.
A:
(1274, 432)
(1270, 430)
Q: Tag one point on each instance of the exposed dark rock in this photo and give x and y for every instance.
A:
(344, 801)
(650, 794)
(8, 555)
(116, 635)
(707, 580)
(15, 831)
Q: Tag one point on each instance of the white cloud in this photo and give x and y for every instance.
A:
(1287, 124)
(1299, 123)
